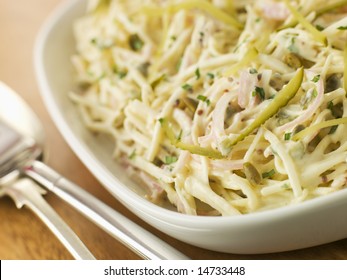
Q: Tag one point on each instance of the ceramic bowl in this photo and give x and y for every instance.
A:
(310, 223)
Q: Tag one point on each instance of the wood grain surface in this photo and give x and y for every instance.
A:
(22, 234)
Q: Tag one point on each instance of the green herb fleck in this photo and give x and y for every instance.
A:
(319, 27)
(330, 105)
(204, 99)
(120, 73)
(187, 87)
(316, 78)
(161, 120)
(342, 27)
(292, 47)
(253, 71)
(268, 174)
(197, 73)
(170, 159)
(259, 91)
(173, 38)
(210, 75)
(287, 136)
(135, 42)
(314, 93)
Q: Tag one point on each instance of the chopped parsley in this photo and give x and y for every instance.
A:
(259, 91)
(197, 73)
(253, 71)
(292, 47)
(330, 105)
(187, 87)
(204, 99)
(268, 174)
(120, 73)
(210, 75)
(135, 42)
(316, 78)
(287, 136)
(314, 93)
(342, 27)
(170, 159)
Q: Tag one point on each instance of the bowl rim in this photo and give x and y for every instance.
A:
(128, 196)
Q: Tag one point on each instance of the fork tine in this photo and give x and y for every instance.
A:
(27, 192)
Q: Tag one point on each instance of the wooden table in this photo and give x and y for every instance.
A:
(22, 234)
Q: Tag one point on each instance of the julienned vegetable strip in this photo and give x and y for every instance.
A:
(223, 86)
(280, 100)
(313, 128)
(317, 35)
(249, 57)
(330, 7)
(203, 151)
(319, 12)
(193, 4)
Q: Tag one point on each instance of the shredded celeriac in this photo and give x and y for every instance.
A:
(220, 107)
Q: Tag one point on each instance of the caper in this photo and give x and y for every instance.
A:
(135, 42)
(292, 60)
(252, 174)
(143, 68)
(337, 110)
(332, 83)
(276, 82)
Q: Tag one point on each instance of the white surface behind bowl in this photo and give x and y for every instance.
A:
(311, 223)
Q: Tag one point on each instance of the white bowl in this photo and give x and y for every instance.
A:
(311, 223)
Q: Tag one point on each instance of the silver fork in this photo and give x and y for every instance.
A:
(21, 148)
(26, 192)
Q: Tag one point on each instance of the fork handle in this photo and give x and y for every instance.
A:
(136, 238)
(27, 192)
